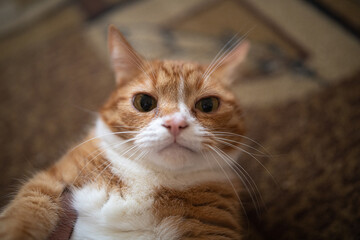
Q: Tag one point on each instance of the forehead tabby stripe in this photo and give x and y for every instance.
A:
(181, 90)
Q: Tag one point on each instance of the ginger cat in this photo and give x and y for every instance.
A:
(158, 164)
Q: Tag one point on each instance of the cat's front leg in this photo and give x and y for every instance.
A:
(34, 212)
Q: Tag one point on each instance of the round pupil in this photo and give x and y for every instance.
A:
(146, 102)
(207, 105)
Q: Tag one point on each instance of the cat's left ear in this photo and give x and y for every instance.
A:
(227, 70)
(125, 60)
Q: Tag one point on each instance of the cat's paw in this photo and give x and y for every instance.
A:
(13, 229)
(18, 228)
(29, 218)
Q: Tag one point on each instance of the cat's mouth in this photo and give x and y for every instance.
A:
(176, 146)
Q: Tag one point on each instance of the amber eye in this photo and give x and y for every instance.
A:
(144, 103)
(208, 104)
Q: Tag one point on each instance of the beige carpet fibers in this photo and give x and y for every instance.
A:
(300, 87)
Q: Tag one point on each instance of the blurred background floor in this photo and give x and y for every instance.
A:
(300, 88)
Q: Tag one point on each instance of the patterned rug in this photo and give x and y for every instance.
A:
(300, 88)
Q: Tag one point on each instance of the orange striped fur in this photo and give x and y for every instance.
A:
(207, 208)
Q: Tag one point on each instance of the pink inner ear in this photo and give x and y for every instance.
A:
(232, 60)
(238, 55)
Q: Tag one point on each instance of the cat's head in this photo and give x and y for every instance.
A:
(172, 114)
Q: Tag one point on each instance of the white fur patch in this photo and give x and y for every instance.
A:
(181, 92)
(109, 215)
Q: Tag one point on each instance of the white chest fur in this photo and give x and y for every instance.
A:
(109, 215)
(103, 215)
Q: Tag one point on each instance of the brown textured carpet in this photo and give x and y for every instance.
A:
(316, 151)
(50, 90)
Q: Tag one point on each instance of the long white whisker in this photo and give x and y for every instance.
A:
(243, 144)
(150, 66)
(98, 137)
(217, 55)
(136, 59)
(242, 136)
(141, 155)
(224, 157)
(228, 178)
(123, 154)
(247, 178)
(208, 161)
(222, 58)
(103, 150)
(227, 54)
(137, 149)
(125, 126)
(250, 154)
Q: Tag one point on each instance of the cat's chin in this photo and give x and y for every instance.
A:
(176, 148)
(175, 157)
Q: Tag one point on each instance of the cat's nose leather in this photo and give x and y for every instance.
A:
(175, 124)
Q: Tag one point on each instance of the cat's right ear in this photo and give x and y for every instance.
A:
(227, 68)
(124, 59)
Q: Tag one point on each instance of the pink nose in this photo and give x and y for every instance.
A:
(175, 125)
